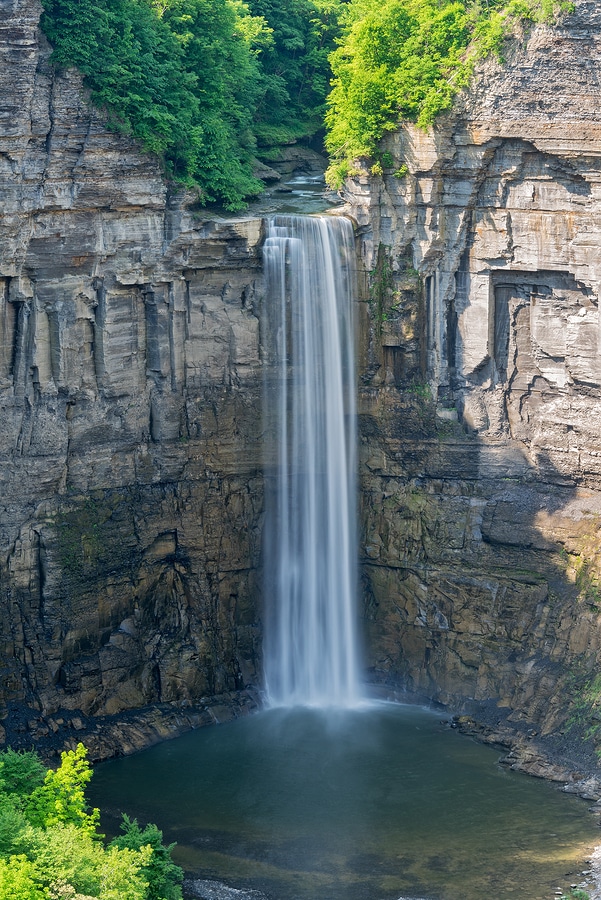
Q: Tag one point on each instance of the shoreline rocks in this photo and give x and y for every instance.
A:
(124, 733)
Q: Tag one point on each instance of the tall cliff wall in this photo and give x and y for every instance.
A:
(130, 386)
(481, 388)
(130, 479)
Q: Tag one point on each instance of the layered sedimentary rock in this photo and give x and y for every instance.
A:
(481, 387)
(130, 392)
(130, 474)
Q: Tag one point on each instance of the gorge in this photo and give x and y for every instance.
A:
(131, 367)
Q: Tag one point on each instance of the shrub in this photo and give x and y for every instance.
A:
(50, 848)
(163, 876)
(405, 60)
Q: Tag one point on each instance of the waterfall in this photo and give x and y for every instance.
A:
(310, 548)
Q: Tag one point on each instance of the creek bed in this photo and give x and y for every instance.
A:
(371, 804)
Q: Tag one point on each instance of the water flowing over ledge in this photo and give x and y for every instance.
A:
(311, 655)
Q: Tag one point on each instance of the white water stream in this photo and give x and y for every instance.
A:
(311, 653)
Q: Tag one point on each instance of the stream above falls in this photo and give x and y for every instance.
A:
(369, 804)
(301, 193)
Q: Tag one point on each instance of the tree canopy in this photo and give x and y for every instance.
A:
(209, 84)
(201, 81)
(405, 60)
(50, 848)
(180, 75)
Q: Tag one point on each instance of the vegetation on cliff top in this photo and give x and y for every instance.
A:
(405, 60)
(201, 82)
(205, 83)
(50, 848)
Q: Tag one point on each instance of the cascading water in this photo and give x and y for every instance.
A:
(310, 559)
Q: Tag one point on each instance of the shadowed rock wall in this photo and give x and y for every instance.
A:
(481, 387)
(130, 476)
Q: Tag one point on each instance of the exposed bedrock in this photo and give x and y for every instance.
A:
(480, 389)
(130, 391)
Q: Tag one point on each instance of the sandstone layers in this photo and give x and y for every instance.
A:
(130, 390)
(481, 388)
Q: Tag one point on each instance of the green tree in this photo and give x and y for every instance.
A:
(12, 826)
(180, 75)
(405, 60)
(163, 876)
(20, 773)
(50, 848)
(215, 48)
(68, 855)
(295, 69)
(19, 880)
(61, 797)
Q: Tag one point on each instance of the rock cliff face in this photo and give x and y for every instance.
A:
(130, 475)
(481, 388)
(130, 387)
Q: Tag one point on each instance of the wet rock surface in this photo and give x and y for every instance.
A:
(106, 737)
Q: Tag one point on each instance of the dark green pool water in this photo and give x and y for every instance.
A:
(366, 805)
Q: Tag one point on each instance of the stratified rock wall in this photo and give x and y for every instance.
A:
(481, 386)
(130, 389)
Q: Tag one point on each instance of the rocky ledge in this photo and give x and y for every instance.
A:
(106, 737)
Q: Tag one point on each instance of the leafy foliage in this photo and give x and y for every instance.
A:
(50, 848)
(19, 879)
(198, 81)
(66, 855)
(586, 707)
(161, 873)
(61, 799)
(203, 83)
(20, 773)
(295, 66)
(178, 75)
(405, 60)
(216, 52)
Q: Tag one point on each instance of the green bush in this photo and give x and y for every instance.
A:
(20, 773)
(405, 60)
(60, 799)
(19, 880)
(161, 873)
(50, 848)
